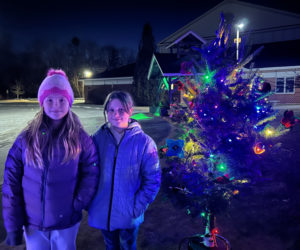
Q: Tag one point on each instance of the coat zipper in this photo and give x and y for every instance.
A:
(112, 188)
(113, 180)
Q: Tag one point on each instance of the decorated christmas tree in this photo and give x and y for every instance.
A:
(224, 119)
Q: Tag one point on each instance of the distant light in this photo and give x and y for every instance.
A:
(240, 26)
(87, 73)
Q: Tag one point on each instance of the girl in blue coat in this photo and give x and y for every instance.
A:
(51, 172)
(129, 174)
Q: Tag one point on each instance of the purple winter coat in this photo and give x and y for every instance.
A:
(50, 198)
(129, 180)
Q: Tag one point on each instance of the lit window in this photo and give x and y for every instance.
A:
(285, 85)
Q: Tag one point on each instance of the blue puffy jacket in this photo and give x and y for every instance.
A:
(129, 178)
(52, 197)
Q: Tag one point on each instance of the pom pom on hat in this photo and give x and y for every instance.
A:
(56, 82)
(52, 72)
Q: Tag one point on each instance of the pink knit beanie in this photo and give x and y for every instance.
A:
(56, 82)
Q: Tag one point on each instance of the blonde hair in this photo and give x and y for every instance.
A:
(39, 134)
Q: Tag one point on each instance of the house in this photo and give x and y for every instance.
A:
(278, 31)
(97, 88)
(279, 64)
(265, 25)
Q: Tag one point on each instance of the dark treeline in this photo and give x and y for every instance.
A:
(22, 72)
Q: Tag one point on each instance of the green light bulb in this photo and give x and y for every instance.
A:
(221, 167)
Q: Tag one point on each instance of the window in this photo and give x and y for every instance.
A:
(285, 85)
(289, 86)
(280, 85)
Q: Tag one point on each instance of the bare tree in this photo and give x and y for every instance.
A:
(18, 89)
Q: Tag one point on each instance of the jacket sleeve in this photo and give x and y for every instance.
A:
(12, 198)
(88, 175)
(14, 238)
(151, 178)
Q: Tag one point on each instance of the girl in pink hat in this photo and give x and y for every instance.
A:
(51, 172)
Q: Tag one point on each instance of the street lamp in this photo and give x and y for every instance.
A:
(87, 73)
(238, 39)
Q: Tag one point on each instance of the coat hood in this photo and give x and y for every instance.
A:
(133, 127)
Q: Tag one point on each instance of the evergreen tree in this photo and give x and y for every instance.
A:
(145, 93)
(225, 128)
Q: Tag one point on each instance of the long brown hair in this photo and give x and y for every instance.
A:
(39, 134)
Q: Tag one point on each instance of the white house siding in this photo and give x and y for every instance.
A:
(96, 90)
(108, 81)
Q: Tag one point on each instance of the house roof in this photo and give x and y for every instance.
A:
(259, 18)
(168, 63)
(190, 32)
(123, 71)
(278, 54)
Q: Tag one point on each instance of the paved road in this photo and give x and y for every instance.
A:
(15, 116)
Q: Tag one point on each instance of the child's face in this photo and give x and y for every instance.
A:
(56, 106)
(117, 115)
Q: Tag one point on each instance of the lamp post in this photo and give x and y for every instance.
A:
(238, 27)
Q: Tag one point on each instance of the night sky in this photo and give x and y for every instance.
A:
(116, 23)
